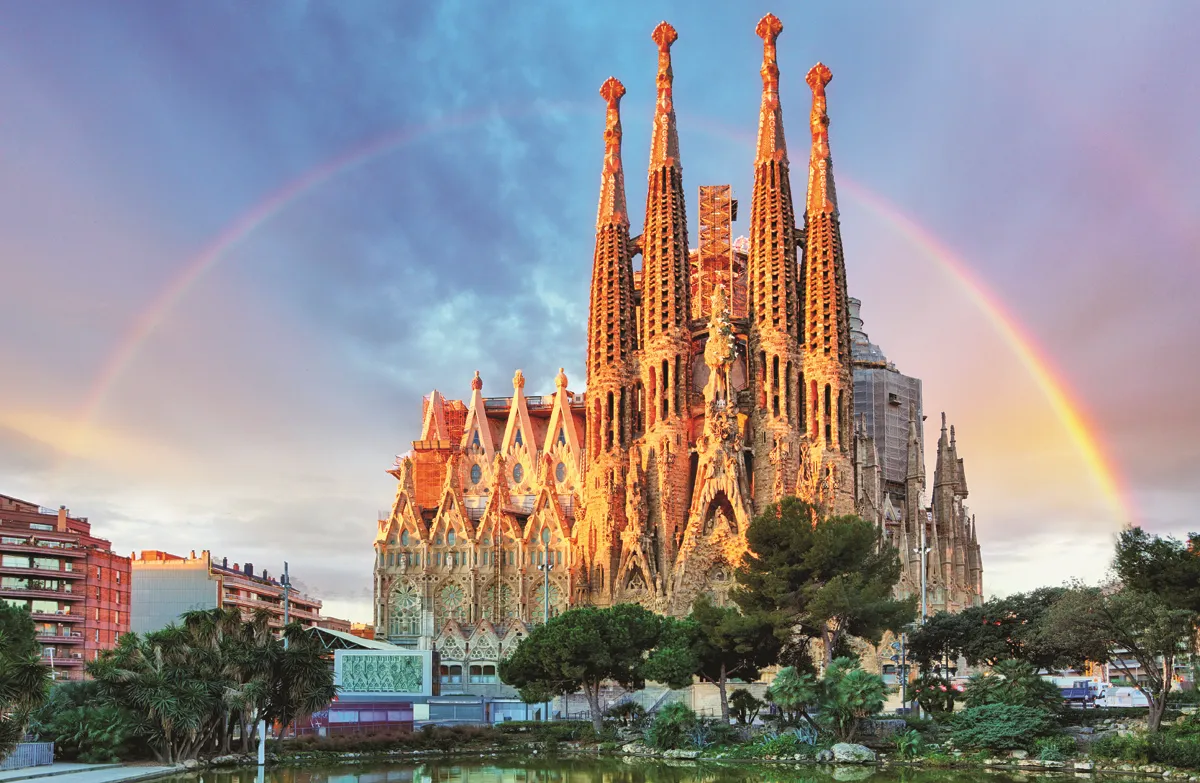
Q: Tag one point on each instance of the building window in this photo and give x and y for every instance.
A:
(450, 538)
(403, 538)
(560, 473)
(518, 473)
(482, 674)
(118, 576)
(476, 471)
(48, 563)
(391, 561)
(451, 674)
(117, 618)
(14, 561)
(97, 636)
(40, 526)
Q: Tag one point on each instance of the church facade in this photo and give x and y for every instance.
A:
(719, 379)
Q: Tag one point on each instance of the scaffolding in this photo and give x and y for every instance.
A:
(714, 262)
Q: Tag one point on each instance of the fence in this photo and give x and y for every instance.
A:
(29, 754)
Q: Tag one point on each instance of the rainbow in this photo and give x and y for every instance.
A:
(1069, 411)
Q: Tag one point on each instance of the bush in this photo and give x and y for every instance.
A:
(1160, 748)
(908, 744)
(1056, 747)
(787, 743)
(85, 728)
(935, 694)
(672, 728)
(627, 713)
(558, 730)
(1000, 726)
(443, 738)
(745, 706)
(1014, 683)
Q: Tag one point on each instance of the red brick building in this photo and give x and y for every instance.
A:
(74, 586)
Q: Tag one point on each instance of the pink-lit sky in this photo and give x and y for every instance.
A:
(1050, 153)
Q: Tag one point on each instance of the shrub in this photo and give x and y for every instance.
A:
(627, 713)
(672, 728)
(1056, 747)
(559, 730)
(848, 694)
(1000, 726)
(1015, 683)
(935, 694)
(786, 743)
(908, 744)
(85, 728)
(744, 706)
(1158, 748)
(1175, 751)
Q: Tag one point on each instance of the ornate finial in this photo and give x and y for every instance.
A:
(943, 422)
(560, 380)
(518, 380)
(768, 29)
(817, 78)
(612, 208)
(664, 35)
(476, 382)
(951, 435)
(664, 145)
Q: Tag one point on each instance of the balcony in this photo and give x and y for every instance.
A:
(60, 616)
(38, 592)
(44, 573)
(62, 637)
(64, 549)
(64, 661)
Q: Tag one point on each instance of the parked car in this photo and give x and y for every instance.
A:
(1122, 696)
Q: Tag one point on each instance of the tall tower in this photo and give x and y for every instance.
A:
(666, 334)
(771, 269)
(828, 365)
(610, 375)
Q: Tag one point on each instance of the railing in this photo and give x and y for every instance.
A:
(29, 754)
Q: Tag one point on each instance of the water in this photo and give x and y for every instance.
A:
(569, 769)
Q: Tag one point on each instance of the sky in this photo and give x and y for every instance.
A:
(238, 243)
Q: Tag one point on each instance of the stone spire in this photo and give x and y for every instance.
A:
(825, 331)
(771, 274)
(610, 314)
(666, 310)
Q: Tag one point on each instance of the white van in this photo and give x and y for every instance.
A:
(1122, 696)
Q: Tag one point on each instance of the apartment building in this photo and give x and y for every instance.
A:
(166, 585)
(72, 583)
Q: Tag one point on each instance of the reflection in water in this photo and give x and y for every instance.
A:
(600, 770)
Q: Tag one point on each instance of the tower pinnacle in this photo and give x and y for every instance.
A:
(664, 145)
(821, 194)
(771, 144)
(612, 208)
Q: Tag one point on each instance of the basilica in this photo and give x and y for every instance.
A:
(720, 378)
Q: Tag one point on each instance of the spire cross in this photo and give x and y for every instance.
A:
(768, 29)
(817, 78)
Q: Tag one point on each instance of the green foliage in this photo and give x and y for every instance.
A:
(849, 694)
(627, 713)
(192, 683)
(1162, 566)
(439, 738)
(672, 727)
(1133, 748)
(745, 706)
(1056, 747)
(560, 730)
(1124, 624)
(792, 692)
(1000, 726)
(581, 648)
(909, 744)
(772, 745)
(935, 694)
(24, 679)
(1015, 683)
(87, 728)
(827, 580)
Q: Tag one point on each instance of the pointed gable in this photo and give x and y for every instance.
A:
(561, 432)
(434, 427)
(477, 433)
(519, 430)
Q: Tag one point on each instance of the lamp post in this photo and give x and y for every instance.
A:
(923, 551)
(545, 568)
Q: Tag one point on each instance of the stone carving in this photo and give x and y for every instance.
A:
(382, 674)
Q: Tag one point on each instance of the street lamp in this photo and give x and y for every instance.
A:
(545, 568)
(923, 551)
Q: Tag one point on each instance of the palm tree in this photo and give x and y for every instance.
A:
(24, 679)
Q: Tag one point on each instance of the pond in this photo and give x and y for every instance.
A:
(570, 769)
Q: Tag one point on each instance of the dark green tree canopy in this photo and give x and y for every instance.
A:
(1160, 565)
(827, 580)
(24, 679)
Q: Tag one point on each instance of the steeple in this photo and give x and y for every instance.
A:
(946, 468)
(916, 457)
(666, 310)
(773, 305)
(610, 321)
(825, 335)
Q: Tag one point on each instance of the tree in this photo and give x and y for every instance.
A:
(24, 679)
(199, 682)
(830, 580)
(86, 727)
(792, 691)
(941, 638)
(1015, 683)
(1132, 631)
(848, 694)
(724, 643)
(581, 648)
(745, 706)
(1160, 565)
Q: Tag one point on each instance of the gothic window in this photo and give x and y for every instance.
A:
(451, 604)
(475, 440)
(498, 603)
(405, 615)
(437, 540)
(476, 473)
(518, 440)
(391, 561)
(560, 472)
(487, 540)
(562, 438)
(450, 538)
(518, 471)
(404, 538)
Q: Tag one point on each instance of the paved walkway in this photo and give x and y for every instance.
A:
(84, 773)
